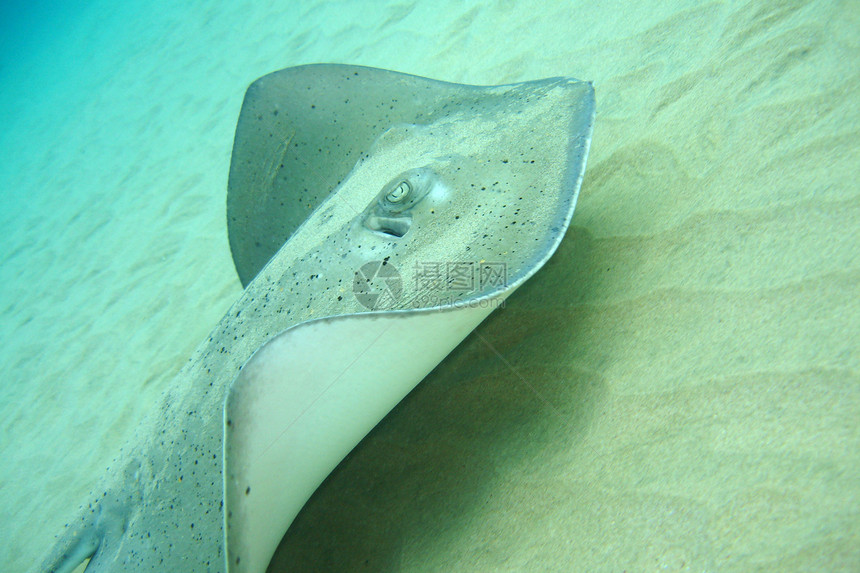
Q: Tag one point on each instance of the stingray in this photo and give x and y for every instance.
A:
(375, 218)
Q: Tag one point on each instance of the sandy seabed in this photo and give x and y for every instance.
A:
(691, 352)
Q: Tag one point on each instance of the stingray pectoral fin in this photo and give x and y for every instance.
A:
(306, 398)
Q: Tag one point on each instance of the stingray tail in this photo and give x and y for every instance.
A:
(78, 543)
(98, 531)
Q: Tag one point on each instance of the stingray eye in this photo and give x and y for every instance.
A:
(400, 195)
(400, 192)
(392, 209)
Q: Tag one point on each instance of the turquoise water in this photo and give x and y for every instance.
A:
(695, 335)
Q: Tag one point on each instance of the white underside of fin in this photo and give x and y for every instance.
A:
(306, 398)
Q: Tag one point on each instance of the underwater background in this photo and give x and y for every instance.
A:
(690, 354)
